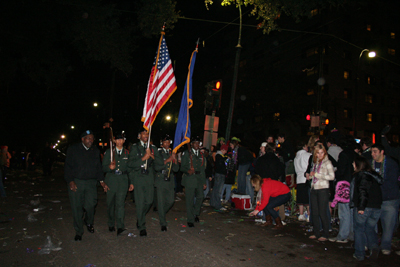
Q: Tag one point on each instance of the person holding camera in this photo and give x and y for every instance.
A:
(142, 159)
(164, 181)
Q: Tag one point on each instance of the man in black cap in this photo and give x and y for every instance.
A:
(165, 180)
(142, 160)
(115, 166)
(194, 179)
(82, 171)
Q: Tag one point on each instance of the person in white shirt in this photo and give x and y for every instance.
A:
(300, 166)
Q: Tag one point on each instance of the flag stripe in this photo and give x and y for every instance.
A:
(161, 85)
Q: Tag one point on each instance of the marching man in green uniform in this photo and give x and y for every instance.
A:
(82, 171)
(115, 166)
(165, 180)
(142, 160)
(194, 179)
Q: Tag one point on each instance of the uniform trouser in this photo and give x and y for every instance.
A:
(118, 185)
(144, 195)
(85, 198)
(165, 201)
(193, 206)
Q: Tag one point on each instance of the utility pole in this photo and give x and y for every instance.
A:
(235, 74)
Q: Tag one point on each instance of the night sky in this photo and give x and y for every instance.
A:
(33, 114)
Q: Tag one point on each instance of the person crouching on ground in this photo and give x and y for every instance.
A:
(271, 194)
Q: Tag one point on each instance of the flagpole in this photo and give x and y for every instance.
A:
(154, 75)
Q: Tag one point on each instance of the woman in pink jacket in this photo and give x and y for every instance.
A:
(271, 194)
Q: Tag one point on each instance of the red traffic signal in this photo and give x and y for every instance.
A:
(308, 117)
(216, 85)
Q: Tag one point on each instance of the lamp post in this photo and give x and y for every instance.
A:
(371, 54)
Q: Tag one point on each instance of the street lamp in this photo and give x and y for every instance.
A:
(168, 117)
(72, 127)
(95, 104)
(62, 136)
(371, 54)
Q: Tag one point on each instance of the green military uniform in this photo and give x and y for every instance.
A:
(193, 183)
(143, 180)
(118, 182)
(165, 185)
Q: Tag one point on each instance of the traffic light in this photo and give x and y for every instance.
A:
(216, 87)
(323, 120)
(213, 95)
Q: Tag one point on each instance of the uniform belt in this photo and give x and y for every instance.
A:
(197, 172)
(118, 172)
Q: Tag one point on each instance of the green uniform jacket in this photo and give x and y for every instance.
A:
(199, 165)
(136, 163)
(121, 163)
(166, 168)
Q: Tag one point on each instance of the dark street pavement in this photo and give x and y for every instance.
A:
(38, 207)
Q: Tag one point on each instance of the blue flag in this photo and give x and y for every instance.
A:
(182, 132)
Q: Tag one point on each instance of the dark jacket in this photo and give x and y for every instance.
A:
(287, 151)
(269, 166)
(82, 164)
(390, 187)
(220, 166)
(244, 156)
(367, 190)
(345, 168)
(209, 166)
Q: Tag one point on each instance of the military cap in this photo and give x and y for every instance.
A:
(166, 138)
(119, 136)
(87, 132)
(195, 139)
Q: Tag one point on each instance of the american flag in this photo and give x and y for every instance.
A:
(161, 85)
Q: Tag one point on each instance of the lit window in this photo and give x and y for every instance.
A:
(392, 35)
(347, 113)
(369, 80)
(312, 72)
(369, 117)
(312, 51)
(369, 99)
(346, 74)
(310, 91)
(276, 116)
(258, 119)
(391, 51)
(369, 27)
(346, 94)
(314, 12)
